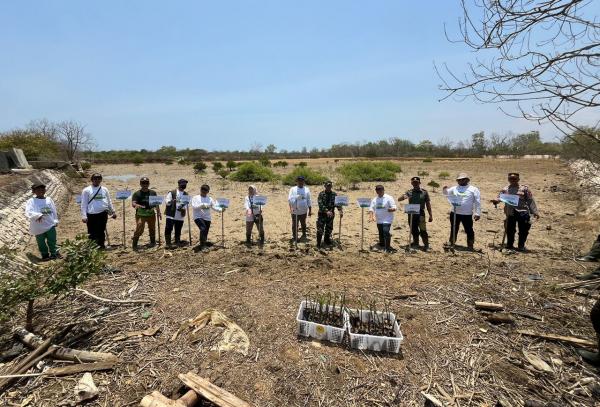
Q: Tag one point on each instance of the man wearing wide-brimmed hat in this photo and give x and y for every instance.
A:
(467, 204)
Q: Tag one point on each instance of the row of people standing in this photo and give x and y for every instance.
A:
(97, 207)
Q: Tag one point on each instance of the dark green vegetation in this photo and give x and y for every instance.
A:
(252, 172)
(311, 176)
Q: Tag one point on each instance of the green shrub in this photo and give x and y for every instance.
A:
(199, 167)
(82, 259)
(422, 173)
(281, 164)
(86, 165)
(312, 177)
(444, 175)
(168, 162)
(264, 161)
(223, 173)
(183, 161)
(361, 171)
(301, 164)
(427, 160)
(252, 172)
(137, 161)
(433, 185)
(231, 165)
(217, 166)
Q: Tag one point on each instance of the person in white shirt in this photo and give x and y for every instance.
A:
(43, 218)
(382, 210)
(202, 205)
(96, 207)
(300, 205)
(253, 216)
(175, 212)
(466, 202)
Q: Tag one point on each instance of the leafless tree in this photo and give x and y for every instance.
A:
(44, 127)
(74, 138)
(541, 57)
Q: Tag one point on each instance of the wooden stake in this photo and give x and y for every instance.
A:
(488, 306)
(215, 394)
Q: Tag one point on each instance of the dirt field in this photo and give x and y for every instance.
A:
(450, 351)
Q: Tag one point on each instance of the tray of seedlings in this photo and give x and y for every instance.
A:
(371, 329)
(323, 318)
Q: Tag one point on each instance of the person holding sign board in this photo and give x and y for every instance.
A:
(202, 205)
(145, 213)
(175, 212)
(326, 214)
(253, 205)
(466, 207)
(300, 205)
(519, 205)
(418, 226)
(96, 207)
(382, 210)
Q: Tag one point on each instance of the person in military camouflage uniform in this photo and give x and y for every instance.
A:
(326, 214)
(418, 227)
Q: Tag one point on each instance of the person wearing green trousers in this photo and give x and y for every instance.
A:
(43, 218)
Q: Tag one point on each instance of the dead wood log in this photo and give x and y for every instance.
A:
(212, 393)
(58, 352)
(156, 399)
(502, 318)
(80, 368)
(488, 306)
(559, 338)
(38, 354)
(403, 296)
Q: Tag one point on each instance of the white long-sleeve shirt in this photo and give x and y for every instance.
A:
(299, 199)
(380, 206)
(202, 206)
(100, 203)
(42, 215)
(469, 198)
(256, 209)
(169, 199)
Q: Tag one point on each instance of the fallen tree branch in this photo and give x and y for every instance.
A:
(58, 352)
(211, 392)
(488, 306)
(559, 338)
(89, 294)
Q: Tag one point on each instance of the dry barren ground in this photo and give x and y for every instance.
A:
(450, 351)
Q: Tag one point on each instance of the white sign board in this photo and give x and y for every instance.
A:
(78, 199)
(509, 199)
(341, 200)
(223, 202)
(184, 199)
(454, 200)
(364, 202)
(412, 209)
(155, 200)
(122, 195)
(259, 200)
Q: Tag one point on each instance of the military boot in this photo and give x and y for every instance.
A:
(261, 239)
(594, 254)
(319, 238)
(425, 243)
(593, 358)
(134, 243)
(152, 241)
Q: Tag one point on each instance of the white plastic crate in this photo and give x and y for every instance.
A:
(375, 343)
(318, 331)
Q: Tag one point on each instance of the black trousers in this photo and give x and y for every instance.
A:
(302, 220)
(204, 226)
(385, 237)
(96, 226)
(523, 222)
(169, 225)
(467, 222)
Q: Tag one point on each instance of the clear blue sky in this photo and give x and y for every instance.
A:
(224, 75)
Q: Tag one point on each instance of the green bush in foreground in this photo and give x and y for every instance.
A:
(312, 177)
(252, 172)
(82, 259)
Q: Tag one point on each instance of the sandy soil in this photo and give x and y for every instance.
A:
(449, 347)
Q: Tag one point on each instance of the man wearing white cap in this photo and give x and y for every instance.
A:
(467, 199)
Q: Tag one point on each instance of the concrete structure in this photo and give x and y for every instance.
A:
(13, 158)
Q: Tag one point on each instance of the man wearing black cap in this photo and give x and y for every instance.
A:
(518, 215)
(175, 212)
(96, 207)
(420, 196)
(144, 213)
(300, 205)
(326, 214)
